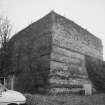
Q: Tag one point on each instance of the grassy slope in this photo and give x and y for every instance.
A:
(97, 99)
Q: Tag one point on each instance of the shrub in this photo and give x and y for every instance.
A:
(96, 72)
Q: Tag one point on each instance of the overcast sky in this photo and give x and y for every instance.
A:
(90, 14)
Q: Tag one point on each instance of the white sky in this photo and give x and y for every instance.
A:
(90, 14)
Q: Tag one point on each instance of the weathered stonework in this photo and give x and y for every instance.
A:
(70, 44)
(51, 53)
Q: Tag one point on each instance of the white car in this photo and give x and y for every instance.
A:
(10, 97)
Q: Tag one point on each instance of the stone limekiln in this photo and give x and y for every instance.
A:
(54, 47)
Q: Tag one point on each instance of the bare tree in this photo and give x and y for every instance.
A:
(5, 30)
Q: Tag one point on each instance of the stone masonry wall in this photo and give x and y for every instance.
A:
(50, 54)
(70, 44)
(30, 53)
(67, 36)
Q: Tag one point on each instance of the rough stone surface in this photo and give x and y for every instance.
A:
(50, 54)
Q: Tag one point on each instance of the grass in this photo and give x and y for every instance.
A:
(97, 99)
